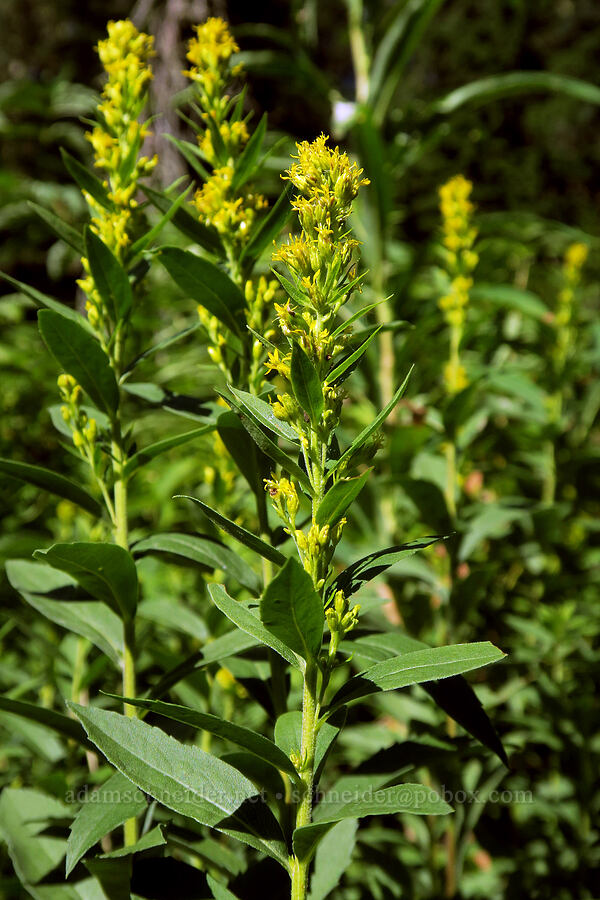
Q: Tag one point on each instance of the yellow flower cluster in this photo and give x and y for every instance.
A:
(232, 216)
(458, 239)
(84, 430)
(327, 183)
(231, 212)
(574, 261)
(117, 140)
(210, 54)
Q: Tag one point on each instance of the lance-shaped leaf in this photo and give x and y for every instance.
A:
(417, 667)
(236, 531)
(206, 285)
(333, 857)
(185, 779)
(306, 384)
(245, 620)
(110, 278)
(87, 181)
(44, 300)
(249, 459)
(338, 499)
(146, 454)
(363, 570)
(81, 356)
(268, 447)
(219, 891)
(203, 550)
(187, 223)
(415, 799)
(53, 483)
(106, 571)
(246, 162)
(250, 740)
(291, 609)
(58, 723)
(264, 414)
(269, 227)
(61, 228)
(348, 364)
(117, 800)
(454, 694)
(366, 433)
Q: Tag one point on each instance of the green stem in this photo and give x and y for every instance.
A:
(310, 712)
(358, 49)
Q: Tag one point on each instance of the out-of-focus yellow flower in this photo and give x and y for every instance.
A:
(458, 238)
(210, 54)
(117, 140)
(566, 333)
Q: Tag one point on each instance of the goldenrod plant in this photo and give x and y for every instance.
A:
(280, 626)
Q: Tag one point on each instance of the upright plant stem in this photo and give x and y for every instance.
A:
(358, 49)
(310, 712)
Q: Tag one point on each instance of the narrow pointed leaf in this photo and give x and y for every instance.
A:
(250, 740)
(291, 609)
(108, 807)
(53, 483)
(417, 667)
(61, 228)
(44, 300)
(269, 227)
(147, 238)
(206, 285)
(246, 164)
(87, 181)
(202, 550)
(364, 570)
(366, 433)
(347, 365)
(183, 778)
(146, 454)
(219, 891)
(237, 532)
(338, 498)
(248, 622)
(58, 723)
(106, 571)
(110, 278)
(306, 384)
(187, 223)
(81, 356)
(415, 799)
(263, 412)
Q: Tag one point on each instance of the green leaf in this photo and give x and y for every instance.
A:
(415, 799)
(25, 575)
(366, 433)
(186, 223)
(364, 570)
(153, 838)
(268, 228)
(205, 284)
(269, 447)
(146, 454)
(107, 808)
(250, 740)
(247, 456)
(291, 288)
(306, 384)
(510, 84)
(332, 858)
(454, 694)
(160, 346)
(350, 361)
(87, 181)
(192, 155)
(417, 667)
(246, 163)
(106, 571)
(338, 498)
(110, 278)
(24, 814)
(219, 891)
(245, 620)
(292, 610)
(64, 231)
(237, 532)
(511, 297)
(62, 725)
(92, 620)
(81, 356)
(263, 413)
(145, 239)
(203, 550)
(185, 779)
(288, 736)
(53, 483)
(44, 300)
